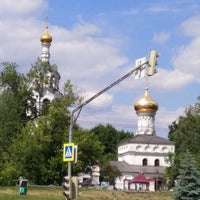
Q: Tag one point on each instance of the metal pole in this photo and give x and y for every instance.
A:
(108, 87)
(70, 140)
(91, 99)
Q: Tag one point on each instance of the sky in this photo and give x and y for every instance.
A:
(97, 42)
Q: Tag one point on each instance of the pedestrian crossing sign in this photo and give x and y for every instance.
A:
(68, 152)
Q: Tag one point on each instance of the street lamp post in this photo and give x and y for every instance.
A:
(79, 108)
(91, 99)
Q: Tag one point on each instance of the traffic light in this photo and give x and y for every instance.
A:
(74, 187)
(153, 62)
(67, 185)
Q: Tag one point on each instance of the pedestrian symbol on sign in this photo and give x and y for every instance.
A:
(68, 152)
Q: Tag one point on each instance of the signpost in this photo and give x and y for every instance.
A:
(68, 152)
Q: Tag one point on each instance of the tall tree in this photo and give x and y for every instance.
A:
(186, 134)
(188, 182)
(43, 78)
(109, 173)
(90, 151)
(37, 151)
(110, 138)
(13, 97)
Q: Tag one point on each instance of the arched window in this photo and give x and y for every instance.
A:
(157, 162)
(164, 150)
(45, 106)
(147, 149)
(155, 149)
(144, 162)
(139, 148)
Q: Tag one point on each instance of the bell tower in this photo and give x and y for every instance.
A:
(45, 40)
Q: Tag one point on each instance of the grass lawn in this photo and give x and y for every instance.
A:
(33, 193)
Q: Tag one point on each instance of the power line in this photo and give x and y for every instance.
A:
(115, 123)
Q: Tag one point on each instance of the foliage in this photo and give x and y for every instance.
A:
(32, 146)
(90, 151)
(39, 150)
(188, 186)
(170, 171)
(110, 138)
(186, 134)
(109, 173)
(13, 96)
(39, 77)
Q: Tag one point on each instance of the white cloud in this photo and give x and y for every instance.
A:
(191, 26)
(86, 56)
(170, 80)
(165, 117)
(161, 8)
(188, 60)
(120, 116)
(20, 31)
(170, 116)
(19, 42)
(161, 37)
(164, 80)
(21, 8)
(104, 99)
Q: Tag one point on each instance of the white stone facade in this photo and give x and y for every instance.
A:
(134, 154)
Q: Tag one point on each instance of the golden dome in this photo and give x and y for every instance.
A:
(46, 38)
(146, 104)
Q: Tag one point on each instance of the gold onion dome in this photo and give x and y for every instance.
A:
(46, 38)
(146, 104)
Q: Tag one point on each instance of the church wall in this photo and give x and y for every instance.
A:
(138, 159)
(152, 148)
(134, 154)
(123, 149)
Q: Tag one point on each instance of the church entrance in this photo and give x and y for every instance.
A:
(158, 184)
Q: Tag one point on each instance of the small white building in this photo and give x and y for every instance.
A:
(145, 152)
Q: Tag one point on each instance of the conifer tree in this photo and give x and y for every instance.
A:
(188, 184)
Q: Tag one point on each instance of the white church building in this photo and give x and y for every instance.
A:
(142, 159)
(45, 83)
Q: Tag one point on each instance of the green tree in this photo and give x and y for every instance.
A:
(13, 97)
(188, 186)
(90, 151)
(37, 151)
(41, 77)
(109, 173)
(186, 134)
(33, 147)
(110, 138)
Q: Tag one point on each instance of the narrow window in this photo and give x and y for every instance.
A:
(157, 162)
(144, 162)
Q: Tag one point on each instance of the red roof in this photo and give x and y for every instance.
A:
(139, 179)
